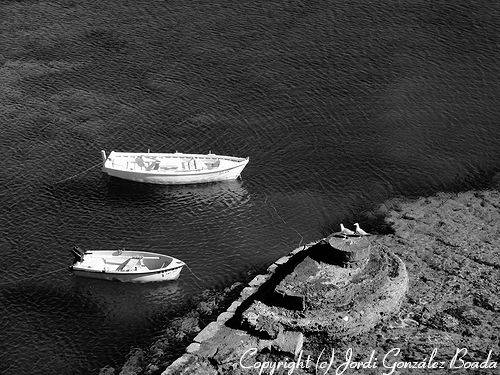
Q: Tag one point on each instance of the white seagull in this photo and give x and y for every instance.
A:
(346, 231)
(360, 231)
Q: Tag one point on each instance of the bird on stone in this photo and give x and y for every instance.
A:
(346, 231)
(360, 231)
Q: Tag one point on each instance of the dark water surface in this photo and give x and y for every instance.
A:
(339, 105)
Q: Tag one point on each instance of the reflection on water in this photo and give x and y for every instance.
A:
(128, 301)
(226, 193)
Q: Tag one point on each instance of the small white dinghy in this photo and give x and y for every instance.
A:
(172, 169)
(125, 265)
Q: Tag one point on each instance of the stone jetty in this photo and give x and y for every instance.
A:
(327, 295)
(338, 286)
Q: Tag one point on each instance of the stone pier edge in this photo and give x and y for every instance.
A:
(248, 291)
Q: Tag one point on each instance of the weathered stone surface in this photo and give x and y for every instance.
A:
(297, 250)
(234, 306)
(289, 343)
(289, 293)
(263, 326)
(348, 251)
(266, 328)
(409, 216)
(207, 332)
(225, 316)
(250, 317)
(193, 347)
(487, 301)
(316, 296)
(177, 366)
(282, 260)
(189, 364)
(296, 279)
(247, 292)
(211, 347)
(264, 345)
(272, 268)
(259, 280)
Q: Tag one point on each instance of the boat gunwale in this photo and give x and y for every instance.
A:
(135, 273)
(177, 174)
(176, 155)
(169, 267)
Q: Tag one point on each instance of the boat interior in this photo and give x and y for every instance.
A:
(172, 164)
(141, 263)
(126, 263)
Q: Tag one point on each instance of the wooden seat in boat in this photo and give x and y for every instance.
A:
(121, 266)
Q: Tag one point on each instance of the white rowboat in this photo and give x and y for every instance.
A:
(125, 265)
(172, 169)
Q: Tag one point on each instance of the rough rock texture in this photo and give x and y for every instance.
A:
(190, 365)
(262, 325)
(450, 244)
(289, 343)
(349, 252)
(340, 301)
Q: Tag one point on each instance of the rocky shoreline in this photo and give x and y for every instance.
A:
(450, 246)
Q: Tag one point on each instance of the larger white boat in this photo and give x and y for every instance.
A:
(125, 265)
(174, 168)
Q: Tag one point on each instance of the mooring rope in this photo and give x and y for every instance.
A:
(196, 277)
(79, 173)
(283, 220)
(33, 276)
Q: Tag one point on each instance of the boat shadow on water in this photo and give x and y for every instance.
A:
(118, 191)
(159, 294)
(92, 297)
(227, 193)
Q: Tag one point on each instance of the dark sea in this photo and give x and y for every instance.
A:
(340, 105)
